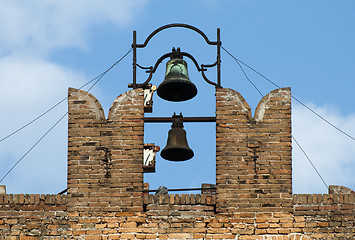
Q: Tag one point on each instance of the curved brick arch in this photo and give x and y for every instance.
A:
(274, 102)
(231, 101)
(125, 102)
(84, 102)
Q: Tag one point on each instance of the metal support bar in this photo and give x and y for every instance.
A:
(219, 43)
(64, 191)
(134, 46)
(186, 119)
(176, 25)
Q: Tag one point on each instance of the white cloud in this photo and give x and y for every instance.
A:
(41, 26)
(29, 86)
(331, 152)
(31, 83)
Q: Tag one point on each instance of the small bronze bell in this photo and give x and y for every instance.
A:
(177, 148)
(176, 86)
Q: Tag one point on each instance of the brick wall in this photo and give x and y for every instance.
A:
(253, 162)
(105, 169)
(253, 199)
(176, 205)
(32, 215)
(325, 215)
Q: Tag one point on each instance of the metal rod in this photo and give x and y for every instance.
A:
(183, 189)
(64, 191)
(218, 57)
(185, 119)
(176, 25)
(218, 43)
(206, 79)
(153, 69)
(134, 46)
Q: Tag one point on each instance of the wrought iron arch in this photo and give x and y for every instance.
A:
(217, 43)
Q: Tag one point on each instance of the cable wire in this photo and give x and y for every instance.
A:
(32, 147)
(314, 112)
(104, 73)
(97, 78)
(304, 153)
(310, 161)
(33, 120)
(246, 76)
(237, 60)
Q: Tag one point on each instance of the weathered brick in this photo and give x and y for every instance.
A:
(253, 199)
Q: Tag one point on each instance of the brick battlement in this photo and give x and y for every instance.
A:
(323, 199)
(253, 197)
(180, 205)
(177, 199)
(180, 199)
(32, 199)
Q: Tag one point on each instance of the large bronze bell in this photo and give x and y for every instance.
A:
(176, 86)
(177, 148)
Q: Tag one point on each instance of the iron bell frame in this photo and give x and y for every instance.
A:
(152, 69)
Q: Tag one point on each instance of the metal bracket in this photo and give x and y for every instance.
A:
(174, 52)
(149, 152)
(148, 98)
(107, 161)
(254, 157)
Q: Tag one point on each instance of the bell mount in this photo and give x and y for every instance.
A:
(152, 69)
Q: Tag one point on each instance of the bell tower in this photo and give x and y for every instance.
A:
(107, 157)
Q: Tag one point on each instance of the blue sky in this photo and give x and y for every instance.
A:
(49, 46)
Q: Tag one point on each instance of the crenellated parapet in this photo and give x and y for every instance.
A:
(253, 197)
